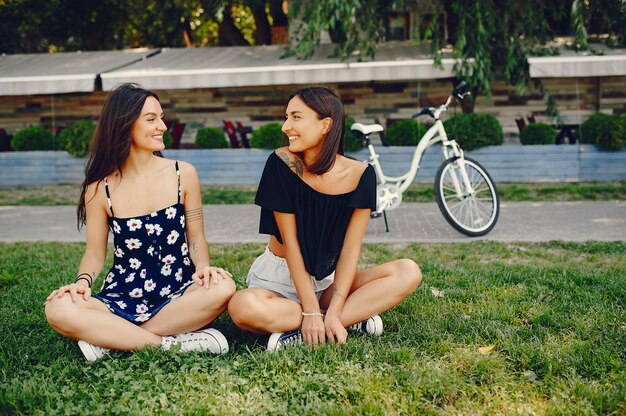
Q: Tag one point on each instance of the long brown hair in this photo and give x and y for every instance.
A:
(111, 142)
(326, 102)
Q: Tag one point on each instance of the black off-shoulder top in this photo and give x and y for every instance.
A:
(321, 219)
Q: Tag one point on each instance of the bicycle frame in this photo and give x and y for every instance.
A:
(434, 135)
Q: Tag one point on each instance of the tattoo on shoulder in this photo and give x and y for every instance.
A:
(194, 215)
(294, 164)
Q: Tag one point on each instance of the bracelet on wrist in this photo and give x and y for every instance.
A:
(312, 314)
(88, 275)
(85, 279)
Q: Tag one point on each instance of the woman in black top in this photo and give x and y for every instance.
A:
(316, 205)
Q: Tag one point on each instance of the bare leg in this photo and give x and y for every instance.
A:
(91, 321)
(262, 311)
(197, 307)
(376, 290)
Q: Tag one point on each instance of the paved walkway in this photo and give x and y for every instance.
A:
(411, 222)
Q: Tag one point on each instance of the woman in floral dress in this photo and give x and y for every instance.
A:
(161, 289)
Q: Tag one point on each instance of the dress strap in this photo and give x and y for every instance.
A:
(106, 189)
(178, 176)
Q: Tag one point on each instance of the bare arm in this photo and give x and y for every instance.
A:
(194, 219)
(345, 272)
(95, 253)
(312, 326)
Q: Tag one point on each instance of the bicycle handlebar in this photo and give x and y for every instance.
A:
(426, 110)
(459, 92)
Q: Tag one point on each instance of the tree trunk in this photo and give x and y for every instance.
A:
(263, 32)
(228, 33)
(469, 102)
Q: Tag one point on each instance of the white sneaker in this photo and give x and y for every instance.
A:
(370, 326)
(209, 339)
(282, 339)
(92, 352)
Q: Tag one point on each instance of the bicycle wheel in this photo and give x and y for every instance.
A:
(472, 214)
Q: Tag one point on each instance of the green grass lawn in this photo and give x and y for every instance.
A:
(553, 312)
(68, 194)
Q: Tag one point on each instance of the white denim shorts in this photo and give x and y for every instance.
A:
(271, 272)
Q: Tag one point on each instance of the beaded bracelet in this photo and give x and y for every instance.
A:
(312, 314)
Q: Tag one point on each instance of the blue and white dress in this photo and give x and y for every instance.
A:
(151, 265)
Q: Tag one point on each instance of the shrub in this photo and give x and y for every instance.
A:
(538, 133)
(616, 139)
(619, 134)
(33, 138)
(269, 136)
(211, 138)
(77, 137)
(405, 133)
(472, 131)
(596, 126)
(605, 131)
(351, 142)
(168, 139)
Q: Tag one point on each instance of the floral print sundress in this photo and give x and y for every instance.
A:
(151, 265)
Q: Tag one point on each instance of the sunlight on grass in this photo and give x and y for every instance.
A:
(555, 314)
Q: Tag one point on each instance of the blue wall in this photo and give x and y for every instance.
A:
(550, 163)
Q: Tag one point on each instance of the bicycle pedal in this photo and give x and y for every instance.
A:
(376, 215)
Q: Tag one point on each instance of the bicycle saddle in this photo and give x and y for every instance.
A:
(366, 129)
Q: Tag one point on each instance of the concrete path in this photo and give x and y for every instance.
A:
(411, 222)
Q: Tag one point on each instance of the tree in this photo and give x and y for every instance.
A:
(30, 26)
(488, 37)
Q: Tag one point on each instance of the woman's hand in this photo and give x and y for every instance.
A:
(313, 331)
(204, 276)
(74, 289)
(335, 331)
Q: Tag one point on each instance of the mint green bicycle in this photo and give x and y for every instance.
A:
(464, 191)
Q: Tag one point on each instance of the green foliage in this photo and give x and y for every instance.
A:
(211, 138)
(595, 126)
(619, 134)
(168, 139)
(605, 131)
(351, 142)
(269, 136)
(354, 26)
(538, 133)
(553, 312)
(615, 139)
(405, 133)
(472, 131)
(77, 137)
(33, 138)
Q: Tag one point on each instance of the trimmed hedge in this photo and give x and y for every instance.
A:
(77, 137)
(269, 136)
(405, 133)
(472, 131)
(619, 135)
(538, 133)
(211, 138)
(33, 138)
(605, 131)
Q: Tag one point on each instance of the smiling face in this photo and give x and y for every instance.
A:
(303, 127)
(148, 129)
